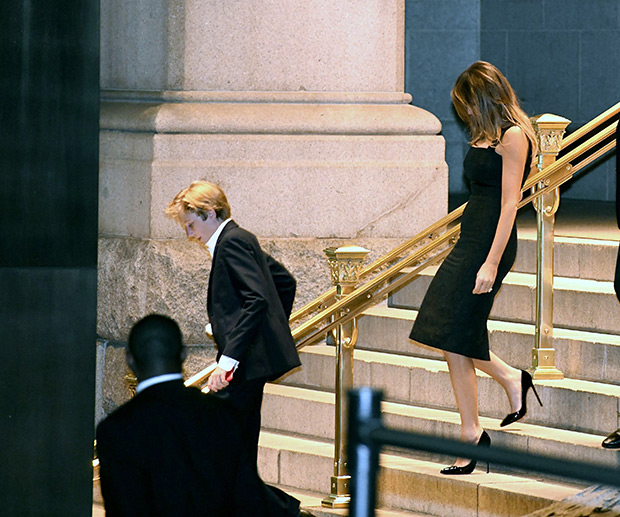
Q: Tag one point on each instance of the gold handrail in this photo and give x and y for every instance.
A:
(328, 297)
(364, 297)
(332, 313)
(560, 171)
(604, 117)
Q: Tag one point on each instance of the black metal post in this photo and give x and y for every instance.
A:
(364, 417)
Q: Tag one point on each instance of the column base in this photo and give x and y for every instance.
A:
(341, 495)
(543, 363)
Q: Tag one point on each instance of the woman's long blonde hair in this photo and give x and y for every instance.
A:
(485, 101)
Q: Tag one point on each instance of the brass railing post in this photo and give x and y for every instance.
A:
(550, 129)
(345, 265)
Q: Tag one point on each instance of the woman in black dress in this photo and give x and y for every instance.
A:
(453, 316)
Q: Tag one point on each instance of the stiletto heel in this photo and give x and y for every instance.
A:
(483, 441)
(526, 384)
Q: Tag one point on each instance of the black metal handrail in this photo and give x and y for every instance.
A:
(367, 435)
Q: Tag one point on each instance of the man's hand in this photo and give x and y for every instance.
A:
(218, 381)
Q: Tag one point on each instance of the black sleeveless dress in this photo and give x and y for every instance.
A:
(451, 317)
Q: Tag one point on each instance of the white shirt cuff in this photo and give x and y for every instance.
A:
(227, 363)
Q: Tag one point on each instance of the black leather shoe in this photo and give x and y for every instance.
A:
(612, 441)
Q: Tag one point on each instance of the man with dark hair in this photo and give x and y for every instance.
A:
(155, 346)
(170, 450)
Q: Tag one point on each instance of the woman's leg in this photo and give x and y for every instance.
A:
(465, 386)
(507, 376)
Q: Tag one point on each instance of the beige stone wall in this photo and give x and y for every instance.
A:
(355, 170)
(253, 45)
(296, 109)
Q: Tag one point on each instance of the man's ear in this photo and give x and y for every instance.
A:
(205, 214)
(131, 362)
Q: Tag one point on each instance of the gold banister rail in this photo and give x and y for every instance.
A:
(564, 168)
(542, 182)
(401, 266)
(546, 180)
(328, 297)
(365, 296)
(607, 116)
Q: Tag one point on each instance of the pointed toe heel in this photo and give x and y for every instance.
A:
(526, 384)
(454, 470)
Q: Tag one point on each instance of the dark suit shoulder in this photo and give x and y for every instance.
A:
(171, 394)
(234, 232)
(238, 242)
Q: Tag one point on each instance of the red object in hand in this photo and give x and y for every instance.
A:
(229, 376)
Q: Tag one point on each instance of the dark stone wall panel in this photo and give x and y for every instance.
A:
(442, 39)
(577, 14)
(543, 69)
(47, 336)
(447, 14)
(562, 57)
(600, 72)
(49, 124)
(511, 14)
(493, 46)
(49, 137)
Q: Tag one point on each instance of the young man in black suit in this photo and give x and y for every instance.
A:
(249, 301)
(170, 450)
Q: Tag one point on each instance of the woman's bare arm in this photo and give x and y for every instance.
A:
(514, 151)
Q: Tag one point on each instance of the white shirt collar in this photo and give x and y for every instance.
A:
(158, 379)
(213, 240)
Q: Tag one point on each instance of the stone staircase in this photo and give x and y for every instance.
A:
(296, 448)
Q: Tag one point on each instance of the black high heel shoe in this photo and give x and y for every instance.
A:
(483, 441)
(526, 384)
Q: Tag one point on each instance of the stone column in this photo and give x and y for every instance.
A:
(296, 109)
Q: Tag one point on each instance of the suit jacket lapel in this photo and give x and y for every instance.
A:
(229, 226)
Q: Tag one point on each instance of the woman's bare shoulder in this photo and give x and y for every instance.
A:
(513, 140)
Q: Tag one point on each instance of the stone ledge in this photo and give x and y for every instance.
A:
(268, 118)
(295, 97)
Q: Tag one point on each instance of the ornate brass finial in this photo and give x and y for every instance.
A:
(132, 383)
(345, 264)
(550, 130)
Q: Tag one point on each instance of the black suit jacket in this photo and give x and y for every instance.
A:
(249, 302)
(170, 450)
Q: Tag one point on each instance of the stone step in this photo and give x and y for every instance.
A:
(578, 304)
(310, 413)
(574, 257)
(592, 356)
(409, 484)
(570, 404)
(311, 502)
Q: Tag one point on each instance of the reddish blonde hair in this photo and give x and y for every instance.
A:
(199, 198)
